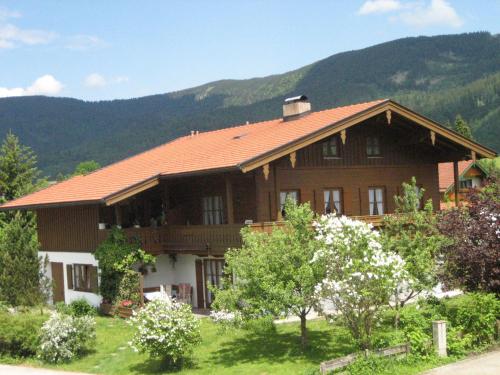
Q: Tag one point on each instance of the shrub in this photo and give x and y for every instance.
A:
(476, 314)
(226, 319)
(416, 322)
(129, 288)
(62, 308)
(167, 330)
(19, 334)
(81, 307)
(64, 337)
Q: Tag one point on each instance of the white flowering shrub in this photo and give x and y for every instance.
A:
(165, 329)
(226, 319)
(360, 277)
(64, 337)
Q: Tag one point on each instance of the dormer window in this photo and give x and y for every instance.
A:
(331, 147)
(372, 146)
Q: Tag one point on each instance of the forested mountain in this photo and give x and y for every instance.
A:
(438, 76)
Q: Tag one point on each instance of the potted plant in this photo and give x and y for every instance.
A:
(126, 308)
(107, 307)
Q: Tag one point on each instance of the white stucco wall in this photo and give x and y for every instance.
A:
(183, 270)
(72, 258)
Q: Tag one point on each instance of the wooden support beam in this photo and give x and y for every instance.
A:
(229, 200)
(456, 182)
(473, 155)
(265, 171)
(293, 158)
(433, 138)
(388, 115)
(343, 136)
(118, 215)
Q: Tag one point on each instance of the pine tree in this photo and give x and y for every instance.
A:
(462, 127)
(21, 269)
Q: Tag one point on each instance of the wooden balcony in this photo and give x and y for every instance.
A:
(188, 239)
(376, 221)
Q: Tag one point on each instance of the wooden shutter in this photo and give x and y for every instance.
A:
(69, 275)
(94, 283)
(199, 284)
(347, 202)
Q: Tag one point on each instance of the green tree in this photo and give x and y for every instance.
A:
(21, 269)
(85, 167)
(19, 174)
(411, 232)
(462, 127)
(273, 272)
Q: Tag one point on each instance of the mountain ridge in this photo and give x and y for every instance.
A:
(439, 76)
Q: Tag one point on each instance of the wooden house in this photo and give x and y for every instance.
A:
(470, 175)
(187, 200)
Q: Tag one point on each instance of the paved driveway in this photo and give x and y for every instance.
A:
(485, 364)
(22, 370)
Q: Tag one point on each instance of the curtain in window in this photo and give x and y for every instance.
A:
(376, 199)
(284, 195)
(213, 210)
(333, 201)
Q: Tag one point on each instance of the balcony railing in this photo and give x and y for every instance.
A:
(200, 239)
(189, 239)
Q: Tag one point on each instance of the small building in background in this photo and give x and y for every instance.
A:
(471, 175)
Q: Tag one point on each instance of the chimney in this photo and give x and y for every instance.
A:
(296, 107)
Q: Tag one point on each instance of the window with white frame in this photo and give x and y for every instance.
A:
(333, 201)
(284, 196)
(466, 184)
(376, 199)
(213, 210)
(82, 277)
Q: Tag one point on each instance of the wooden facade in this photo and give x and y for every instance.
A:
(254, 196)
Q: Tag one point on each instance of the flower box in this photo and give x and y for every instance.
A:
(124, 312)
(107, 308)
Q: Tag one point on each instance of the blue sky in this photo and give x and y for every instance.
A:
(120, 49)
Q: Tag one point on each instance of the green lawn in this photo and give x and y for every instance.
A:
(236, 352)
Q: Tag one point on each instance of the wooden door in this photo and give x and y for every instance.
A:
(57, 282)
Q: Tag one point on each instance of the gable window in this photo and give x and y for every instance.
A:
(331, 147)
(372, 146)
(83, 274)
(284, 196)
(466, 184)
(333, 201)
(213, 210)
(376, 199)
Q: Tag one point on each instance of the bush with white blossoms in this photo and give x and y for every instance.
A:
(360, 277)
(64, 337)
(226, 319)
(165, 329)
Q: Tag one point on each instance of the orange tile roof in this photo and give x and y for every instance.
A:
(446, 178)
(214, 150)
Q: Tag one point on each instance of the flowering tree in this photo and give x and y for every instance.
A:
(273, 271)
(472, 260)
(165, 329)
(65, 336)
(360, 275)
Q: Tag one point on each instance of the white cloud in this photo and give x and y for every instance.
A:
(44, 85)
(83, 42)
(11, 35)
(379, 6)
(6, 13)
(437, 13)
(97, 80)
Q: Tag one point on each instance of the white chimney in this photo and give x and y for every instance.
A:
(295, 107)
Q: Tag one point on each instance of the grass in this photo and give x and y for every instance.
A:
(235, 352)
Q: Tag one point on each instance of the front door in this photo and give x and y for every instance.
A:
(57, 281)
(214, 270)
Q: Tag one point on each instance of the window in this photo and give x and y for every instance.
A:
(214, 272)
(331, 147)
(284, 196)
(376, 199)
(372, 146)
(466, 184)
(83, 277)
(333, 201)
(213, 210)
